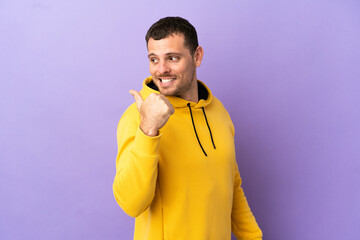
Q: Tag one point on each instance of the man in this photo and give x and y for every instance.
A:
(176, 171)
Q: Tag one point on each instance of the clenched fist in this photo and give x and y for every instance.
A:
(154, 111)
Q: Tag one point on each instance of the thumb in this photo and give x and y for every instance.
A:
(138, 98)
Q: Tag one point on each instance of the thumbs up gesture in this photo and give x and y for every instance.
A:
(154, 111)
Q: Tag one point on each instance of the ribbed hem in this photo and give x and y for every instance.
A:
(145, 145)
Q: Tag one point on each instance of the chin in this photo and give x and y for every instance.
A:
(166, 93)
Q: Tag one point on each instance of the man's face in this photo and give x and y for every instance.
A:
(173, 68)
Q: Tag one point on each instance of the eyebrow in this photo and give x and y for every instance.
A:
(167, 54)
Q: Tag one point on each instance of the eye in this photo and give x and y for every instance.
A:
(154, 60)
(174, 59)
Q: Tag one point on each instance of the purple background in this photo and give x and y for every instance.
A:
(287, 71)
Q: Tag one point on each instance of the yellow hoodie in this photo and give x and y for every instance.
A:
(183, 183)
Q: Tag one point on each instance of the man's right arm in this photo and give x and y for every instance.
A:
(138, 152)
(136, 167)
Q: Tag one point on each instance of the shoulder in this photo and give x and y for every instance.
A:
(131, 114)
(131, 111)
(220, 109)
(218, 105)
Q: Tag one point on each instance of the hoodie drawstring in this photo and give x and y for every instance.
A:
(212, 140)
(197, 137)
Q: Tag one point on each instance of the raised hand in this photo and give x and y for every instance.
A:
(154, 111)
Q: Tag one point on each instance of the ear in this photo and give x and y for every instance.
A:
(198, 55)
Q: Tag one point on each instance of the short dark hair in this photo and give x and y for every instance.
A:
(174, 25)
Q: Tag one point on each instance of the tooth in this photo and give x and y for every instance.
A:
(167, 80)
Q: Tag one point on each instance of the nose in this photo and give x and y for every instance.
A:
(164, 67)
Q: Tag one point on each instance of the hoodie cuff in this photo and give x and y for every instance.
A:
(145, 145)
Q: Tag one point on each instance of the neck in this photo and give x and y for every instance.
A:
(193, 94)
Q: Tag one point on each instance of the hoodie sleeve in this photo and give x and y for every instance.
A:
(243, 223)
(136, 167)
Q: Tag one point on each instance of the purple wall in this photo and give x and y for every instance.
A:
(287, 71)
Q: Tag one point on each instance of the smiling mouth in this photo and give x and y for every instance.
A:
(166, 80)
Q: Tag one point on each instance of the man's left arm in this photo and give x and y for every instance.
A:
(243, 223)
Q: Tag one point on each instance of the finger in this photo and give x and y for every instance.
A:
(138, 98)
(171, 108)
(172, 111)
